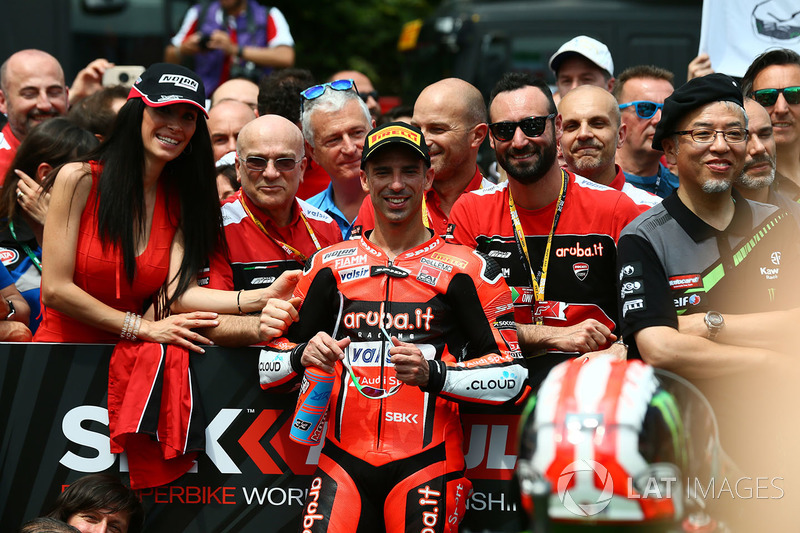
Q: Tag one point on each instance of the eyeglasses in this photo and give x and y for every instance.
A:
(645, 109)
(531, 127)
(373, 393)
(706, 136)
(365, 96)
(259, 164)
(337, 85)
(768, 97)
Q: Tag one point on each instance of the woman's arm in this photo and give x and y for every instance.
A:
(197, 298)
(68, 200)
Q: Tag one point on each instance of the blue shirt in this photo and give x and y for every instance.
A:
(324, 202)
(662, 184)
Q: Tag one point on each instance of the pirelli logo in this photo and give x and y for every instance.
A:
(449, 259)
(397, 131)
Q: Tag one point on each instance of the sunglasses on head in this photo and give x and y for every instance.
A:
(645, 109)
(373, 393)
(768, 97)
(531, 127)
(259, 164)
(316, 91)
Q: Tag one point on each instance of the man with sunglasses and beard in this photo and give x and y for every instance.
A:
(267, 229)
(773, 80)
(419, 326)
(641, 91)
(553, 234)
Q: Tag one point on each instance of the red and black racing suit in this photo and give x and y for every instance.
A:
(397, 463)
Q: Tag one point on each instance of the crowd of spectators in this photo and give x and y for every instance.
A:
(631, 218)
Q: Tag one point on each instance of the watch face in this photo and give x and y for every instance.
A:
(715, 319)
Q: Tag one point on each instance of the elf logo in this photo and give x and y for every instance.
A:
(581, 270)
(685, 301)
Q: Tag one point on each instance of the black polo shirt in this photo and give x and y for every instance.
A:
(671, 262)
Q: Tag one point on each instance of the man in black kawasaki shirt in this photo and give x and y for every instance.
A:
(707, 251)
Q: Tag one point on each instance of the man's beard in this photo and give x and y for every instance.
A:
(529, 172)
(714, 186)
(753, 184)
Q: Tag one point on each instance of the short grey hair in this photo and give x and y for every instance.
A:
(329, 101)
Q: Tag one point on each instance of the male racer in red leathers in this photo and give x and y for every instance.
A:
(396, 463)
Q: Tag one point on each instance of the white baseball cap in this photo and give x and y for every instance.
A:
(591, 49)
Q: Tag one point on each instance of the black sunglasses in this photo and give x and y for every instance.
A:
(365, 96)
(768, 97)
(531, 127)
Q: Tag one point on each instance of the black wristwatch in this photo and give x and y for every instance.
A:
(714, 322)
(11, 310)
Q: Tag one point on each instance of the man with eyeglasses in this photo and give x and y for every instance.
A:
(706, 253)
(641, 91)
(335, 121)
(705, 249)
(773, 80)
(267, 229)
(592, 133)
(553, 233)
(421, 325)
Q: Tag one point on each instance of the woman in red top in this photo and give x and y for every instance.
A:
(135, 224)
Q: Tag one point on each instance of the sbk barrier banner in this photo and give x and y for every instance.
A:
(252, 478)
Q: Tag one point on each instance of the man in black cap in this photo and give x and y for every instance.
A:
(421, 325)
(707, 250)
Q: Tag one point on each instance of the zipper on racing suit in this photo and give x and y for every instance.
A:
(383, 356)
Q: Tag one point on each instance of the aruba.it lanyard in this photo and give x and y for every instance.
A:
(539, 279)
(290, 250)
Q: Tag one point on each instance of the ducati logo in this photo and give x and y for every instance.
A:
(581, 270)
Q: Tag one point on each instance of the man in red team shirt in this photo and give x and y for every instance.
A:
(268, 230)
(553, 234)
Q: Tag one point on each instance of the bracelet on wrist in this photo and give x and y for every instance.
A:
(238, 301)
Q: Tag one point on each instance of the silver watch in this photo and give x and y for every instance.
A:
(714, 322)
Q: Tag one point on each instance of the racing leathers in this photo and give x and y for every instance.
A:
(397, 463)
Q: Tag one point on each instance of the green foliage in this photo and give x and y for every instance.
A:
(353, 35)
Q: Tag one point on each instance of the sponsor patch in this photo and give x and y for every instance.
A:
(770, 273)
(350, 261)
(428, 275)
(522, 295)
(352, 274)
(581, 270)
(593, 250)
(499, 254)
(391, 271)
(631, 287)
(449, 259)
(335, 254)
(450, 229)
(179, 81)
(633, 305)
(686, 281)
(396, 131)
(775, 257)
(436, 264)
(685, 301)
(630, 270)
(268, 280)
(8, 256)
(551, 310)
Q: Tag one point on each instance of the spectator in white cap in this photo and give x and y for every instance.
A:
(582, 61)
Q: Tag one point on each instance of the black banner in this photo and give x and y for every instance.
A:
(252, 477)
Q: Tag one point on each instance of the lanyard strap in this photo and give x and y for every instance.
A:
(28, 251)
(539, 279)
(289, 249)
(426, 217)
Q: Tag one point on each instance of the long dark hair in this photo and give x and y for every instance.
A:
(55, 141)
(190, 177)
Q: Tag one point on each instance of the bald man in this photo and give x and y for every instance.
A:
(452, 116)
(268, 229)
(592, 132)
(365, 89)
(225, 121)
(32, 90)
(239, 89)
